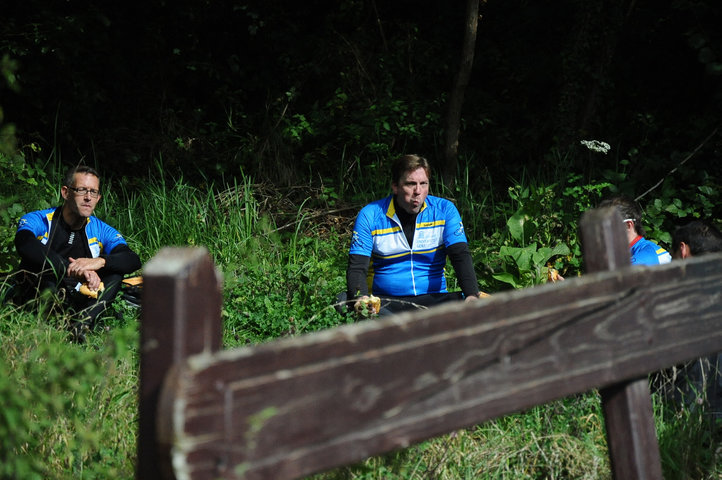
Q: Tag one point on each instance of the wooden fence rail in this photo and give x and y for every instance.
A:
(292, 407)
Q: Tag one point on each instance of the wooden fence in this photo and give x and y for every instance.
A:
(296, 406)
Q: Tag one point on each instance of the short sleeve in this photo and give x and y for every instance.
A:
(32, 222)
(361, 239)
(454, 228)
(111, 238)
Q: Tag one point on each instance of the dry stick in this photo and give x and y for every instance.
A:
(680, 164)
(317, 215)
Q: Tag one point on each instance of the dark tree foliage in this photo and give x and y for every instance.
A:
(291, 91)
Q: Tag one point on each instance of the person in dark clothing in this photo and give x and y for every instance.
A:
(695, 238)
(401, 243)
(698, 382)
(69, 251)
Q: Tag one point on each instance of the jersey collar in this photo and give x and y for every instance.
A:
(631, 244)
(391, 211)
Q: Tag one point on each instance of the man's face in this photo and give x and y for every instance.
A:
(412, 190)
(81, 204)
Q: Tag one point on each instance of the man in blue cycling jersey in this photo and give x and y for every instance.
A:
(67, 250)
(400, 245)
(643, 251)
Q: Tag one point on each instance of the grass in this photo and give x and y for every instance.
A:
(70, 411)
(564, 439)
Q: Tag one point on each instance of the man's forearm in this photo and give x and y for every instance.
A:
(37, 256)
(121, 260)
(463, 264)
(358, 266)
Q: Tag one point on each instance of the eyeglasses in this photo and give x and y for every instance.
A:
(82, 191)
(628, 220)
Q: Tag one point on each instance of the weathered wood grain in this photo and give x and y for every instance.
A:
(296, 406)
(180, 316)
(627, 406)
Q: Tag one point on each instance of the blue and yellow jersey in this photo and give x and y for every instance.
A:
(400, 269)
(102, 238)
(646, 252)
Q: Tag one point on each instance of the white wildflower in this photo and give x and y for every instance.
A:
(596, 145)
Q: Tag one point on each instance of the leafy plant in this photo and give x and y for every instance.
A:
(66, 407)
(527, 266)
(25, 187)
(300, 298)
(673, 205)
(542, 233)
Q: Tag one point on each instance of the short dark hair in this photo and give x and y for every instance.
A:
(700, 235)
(70, 174)
(628, 209)
(408, 163)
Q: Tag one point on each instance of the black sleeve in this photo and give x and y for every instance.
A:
(358, 267)
(36, 256)
(121, 260)
(460, 257)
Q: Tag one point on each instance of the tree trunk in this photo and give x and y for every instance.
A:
(456, 97)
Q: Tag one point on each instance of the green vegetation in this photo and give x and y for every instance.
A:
(70, 410)
(564, 439)
(271, 124)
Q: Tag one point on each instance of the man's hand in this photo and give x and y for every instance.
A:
(366, 305)
(553, 275)
(85, 270)
(473, 298)
(80, 266)
(89, 289)
(91, 279)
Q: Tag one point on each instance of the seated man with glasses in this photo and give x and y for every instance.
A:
(69, 251)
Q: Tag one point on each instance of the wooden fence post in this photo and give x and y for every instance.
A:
(180, 316)
(628, 413)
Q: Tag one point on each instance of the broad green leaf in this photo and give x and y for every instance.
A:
(521, 256)
(516, 224)
(506, 277)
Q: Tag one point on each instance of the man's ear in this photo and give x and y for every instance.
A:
(630, 230)
(684, 250)
(64, 192)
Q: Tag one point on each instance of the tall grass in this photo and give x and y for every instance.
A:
(174, 213)
(69, 411)
(564, 439)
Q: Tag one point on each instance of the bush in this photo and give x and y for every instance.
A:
(66, 407)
